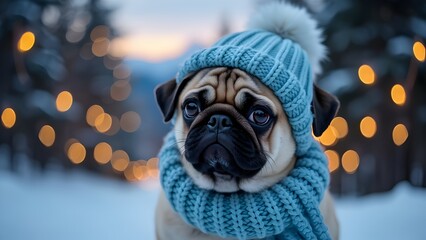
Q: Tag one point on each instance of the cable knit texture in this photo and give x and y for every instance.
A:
(287, 210)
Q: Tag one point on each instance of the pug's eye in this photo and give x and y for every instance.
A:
(191, 109)
(259, 117)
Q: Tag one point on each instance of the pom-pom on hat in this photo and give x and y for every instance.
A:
(283, 49)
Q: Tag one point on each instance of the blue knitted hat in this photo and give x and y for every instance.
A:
(283, 50)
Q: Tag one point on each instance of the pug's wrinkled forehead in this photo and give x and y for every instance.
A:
(229, 86)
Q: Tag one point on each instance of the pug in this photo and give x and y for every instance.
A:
(224, 117)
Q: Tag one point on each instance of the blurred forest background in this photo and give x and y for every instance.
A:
(69, 99)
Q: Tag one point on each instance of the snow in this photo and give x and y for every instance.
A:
(80, 205)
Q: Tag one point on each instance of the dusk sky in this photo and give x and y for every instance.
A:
(159, 29)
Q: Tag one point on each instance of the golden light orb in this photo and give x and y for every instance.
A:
(341, 127)
(398, 94)
(328, 137)
(119, 160)
(102, 153)
(366, 74)
(77, 153)
(368, 127)
(333, 160)
(64, 101)
(399, 134)
(419, 51)
(350, 161)
(26, 41)
(46, 135)
(92, 113)
(103, 122)
(8, 118)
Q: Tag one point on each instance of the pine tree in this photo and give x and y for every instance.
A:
(371, 52)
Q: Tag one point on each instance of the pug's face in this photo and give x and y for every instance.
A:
(231, 130)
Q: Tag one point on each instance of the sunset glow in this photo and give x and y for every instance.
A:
(149, 47)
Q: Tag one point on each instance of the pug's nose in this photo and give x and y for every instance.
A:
(219, 122)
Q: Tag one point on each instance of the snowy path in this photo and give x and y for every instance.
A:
(79, 205)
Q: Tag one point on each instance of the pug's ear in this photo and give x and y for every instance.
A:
(167, 95)
(324, 107)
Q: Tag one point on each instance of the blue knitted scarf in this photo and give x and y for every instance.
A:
(287, 210)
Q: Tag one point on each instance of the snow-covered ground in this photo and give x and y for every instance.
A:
(79, 205)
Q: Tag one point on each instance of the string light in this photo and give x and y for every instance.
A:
(152, 165)
(399, 134)
(26, 41)
(366, 74)
(419, 51)
(120, 90)
(92, 113)
(128, 173)
(333, 160)
(77, 153)
(100, 31)
(398, 94)
(121, 72)
(368, 127)
(350, 161)
(130, 121)
(64, 101)
(103, 122)
(341, 127)
(102, 153)
(100, 47)
(328, 137)
(46, 135)
(119, 160)
(140, 170)
(8, 118)
(115, 126)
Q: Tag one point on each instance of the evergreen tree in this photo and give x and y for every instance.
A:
(375, 48)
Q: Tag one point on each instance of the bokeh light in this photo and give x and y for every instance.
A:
(399, 134)
(103, 122)
(341, 127)
(100, 47)
(366, 74)
(102, 153)
(328, 137)
(130, 121)
(92, 113)
(46, 135)
(128, 172)
(333, 160)
(398, 94)
(100, 31)
(152, 165)
(121, 72)
(140, 170)
(8, 118)
(64, 101)
(76, 153)
(115, 126)
(119, 160)
(350, 161)
(120, 90)
(368, 127)
(26, 42)
(419, 51)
